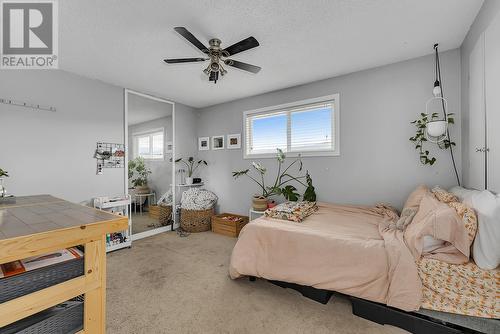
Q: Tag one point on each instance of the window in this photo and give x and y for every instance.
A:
(149, 145)
(308, 128)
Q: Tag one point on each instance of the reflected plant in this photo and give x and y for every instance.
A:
(191, 164)
(138, 168)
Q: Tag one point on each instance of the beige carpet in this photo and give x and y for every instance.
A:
(168, 284)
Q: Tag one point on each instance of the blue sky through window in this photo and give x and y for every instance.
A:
(311, 129)
(269, 133)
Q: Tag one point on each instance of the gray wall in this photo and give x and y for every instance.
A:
(377, 162)
(488, 12)
(52, 153)
(161, 171)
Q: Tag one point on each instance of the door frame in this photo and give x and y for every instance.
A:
(162, 229)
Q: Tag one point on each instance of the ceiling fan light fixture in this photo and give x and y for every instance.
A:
(217, 55)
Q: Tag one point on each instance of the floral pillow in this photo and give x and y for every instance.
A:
(292, 211)
(444, 196)
(466, 213)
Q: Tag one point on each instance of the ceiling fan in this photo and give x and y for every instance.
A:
(216, 55)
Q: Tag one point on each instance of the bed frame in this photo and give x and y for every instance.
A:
(413, 322)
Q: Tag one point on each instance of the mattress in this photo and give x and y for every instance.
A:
(462, 289)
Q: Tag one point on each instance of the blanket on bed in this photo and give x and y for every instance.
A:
(350, 249)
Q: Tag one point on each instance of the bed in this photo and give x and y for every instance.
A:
(339, 248)
(355, 250)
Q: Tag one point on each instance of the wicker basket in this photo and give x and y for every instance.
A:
(165, 214)
(196, 220)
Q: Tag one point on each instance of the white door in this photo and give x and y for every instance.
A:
(477, 131)
(492, 85)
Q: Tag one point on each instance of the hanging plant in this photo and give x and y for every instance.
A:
(420, 138)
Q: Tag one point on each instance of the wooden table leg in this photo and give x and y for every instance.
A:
(95, 300)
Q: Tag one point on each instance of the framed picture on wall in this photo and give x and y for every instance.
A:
(218, 142)
(234, 141)
(203, 144)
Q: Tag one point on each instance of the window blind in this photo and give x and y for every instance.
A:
(298, 129)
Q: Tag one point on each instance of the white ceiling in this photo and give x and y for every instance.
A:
(123, 42)
(142, 109)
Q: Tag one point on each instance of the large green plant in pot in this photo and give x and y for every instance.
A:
(281, 185)
(138, 174)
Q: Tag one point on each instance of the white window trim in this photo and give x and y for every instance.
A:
(335, 126)
(148, 132)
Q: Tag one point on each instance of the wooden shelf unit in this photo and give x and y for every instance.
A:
(36, 225)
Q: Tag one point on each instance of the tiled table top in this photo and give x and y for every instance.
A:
(44, 213)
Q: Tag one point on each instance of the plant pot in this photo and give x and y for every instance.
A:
(271, 204)
(259, 203)
(436, 128)
(142, 190)
(189, 180)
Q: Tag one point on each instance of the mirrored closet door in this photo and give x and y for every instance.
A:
(149, 159)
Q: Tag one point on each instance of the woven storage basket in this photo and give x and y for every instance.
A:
(196, 220)
(165, 214)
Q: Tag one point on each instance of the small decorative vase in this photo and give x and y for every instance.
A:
(259, 203)
(189, 180)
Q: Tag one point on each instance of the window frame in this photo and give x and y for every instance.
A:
(150, 134)
(334, 99)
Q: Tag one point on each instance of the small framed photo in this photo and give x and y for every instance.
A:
(234, 141)
(203, 144)
(217, 142)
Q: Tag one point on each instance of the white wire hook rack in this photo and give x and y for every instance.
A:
(28, 105)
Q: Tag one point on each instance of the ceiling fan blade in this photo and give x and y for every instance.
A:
(242, 66)
(241, 46)
(183, 60)
(190, 37)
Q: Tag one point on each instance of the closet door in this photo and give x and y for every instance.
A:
(477, 128)
(492, 85)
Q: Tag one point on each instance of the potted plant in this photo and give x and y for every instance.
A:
(138, 174)
(191, 166)
(430, 125)
(281, 184)
(3, 174)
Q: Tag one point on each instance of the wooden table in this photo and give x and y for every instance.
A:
(36, 225)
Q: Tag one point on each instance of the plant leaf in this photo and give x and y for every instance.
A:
(290, 193)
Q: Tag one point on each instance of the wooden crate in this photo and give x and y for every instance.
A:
(154, 211)
(228, 227)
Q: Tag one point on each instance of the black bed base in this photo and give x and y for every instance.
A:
(410, 321)
(318, 295)
(381, 314)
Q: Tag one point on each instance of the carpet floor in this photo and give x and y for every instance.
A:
(168, 284)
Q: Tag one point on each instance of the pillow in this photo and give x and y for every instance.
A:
(292, 211)
(430, 244)
(441, 222)
(486, 247)
(443, 195)
(463, 194)
(415, 197)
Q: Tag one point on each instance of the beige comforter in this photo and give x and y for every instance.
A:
(348, 249)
